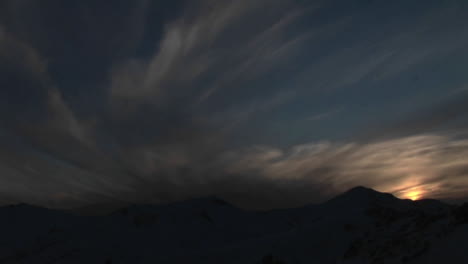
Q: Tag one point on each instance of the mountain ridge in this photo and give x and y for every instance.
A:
(358, 226)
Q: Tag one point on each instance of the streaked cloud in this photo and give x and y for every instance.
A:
(432, 163)
(324, 115)
(196, 44)
(164, 100)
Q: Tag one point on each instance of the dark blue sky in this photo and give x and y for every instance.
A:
(154, 101)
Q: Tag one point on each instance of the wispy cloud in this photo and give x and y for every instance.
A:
(197, 46)
(324, 115)
(21, 54)
(143, 107)
(432, 163)
(62, 118)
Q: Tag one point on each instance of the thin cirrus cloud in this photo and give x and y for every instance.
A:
(196, 45)
(157, 101)
(433, 164)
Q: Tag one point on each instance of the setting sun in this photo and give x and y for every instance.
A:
(413, 195)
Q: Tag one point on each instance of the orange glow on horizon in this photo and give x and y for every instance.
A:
(413, 193)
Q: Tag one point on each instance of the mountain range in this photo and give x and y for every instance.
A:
(358, 226)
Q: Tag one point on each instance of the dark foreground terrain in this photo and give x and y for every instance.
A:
(359, 226)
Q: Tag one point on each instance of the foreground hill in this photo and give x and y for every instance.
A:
(359, 226)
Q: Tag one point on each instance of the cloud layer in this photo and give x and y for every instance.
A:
(281, 102)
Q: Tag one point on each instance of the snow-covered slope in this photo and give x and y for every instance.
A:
(359, 226)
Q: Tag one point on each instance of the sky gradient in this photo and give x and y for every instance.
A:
(264, 103)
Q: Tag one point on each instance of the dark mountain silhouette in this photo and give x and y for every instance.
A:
(358, 226)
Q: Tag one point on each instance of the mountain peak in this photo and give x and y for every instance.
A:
(365, 192)
(362, 196)
(362, 190)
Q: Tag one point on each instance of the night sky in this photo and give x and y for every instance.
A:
(264, 103)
